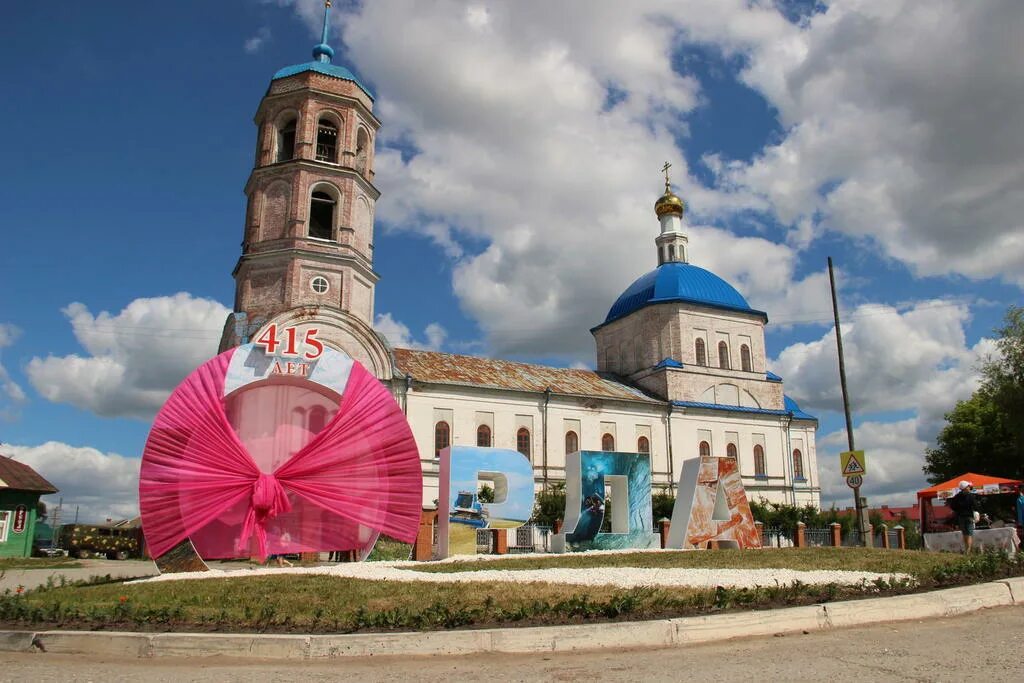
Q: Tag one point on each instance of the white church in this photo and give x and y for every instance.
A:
(680, 356)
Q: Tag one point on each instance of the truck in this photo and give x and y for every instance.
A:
(469, 510)
(100, 540)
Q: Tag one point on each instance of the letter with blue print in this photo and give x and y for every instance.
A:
(463, 469)
(588, 477)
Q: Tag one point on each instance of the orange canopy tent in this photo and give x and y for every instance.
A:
(984, 485)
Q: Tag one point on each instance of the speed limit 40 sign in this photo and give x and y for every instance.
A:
(854, 481)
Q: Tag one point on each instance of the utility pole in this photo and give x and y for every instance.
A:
(857, 500)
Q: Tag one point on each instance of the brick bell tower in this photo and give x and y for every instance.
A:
(307, 252)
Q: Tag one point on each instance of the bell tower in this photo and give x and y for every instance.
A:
(307, 249)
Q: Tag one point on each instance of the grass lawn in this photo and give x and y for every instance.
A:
(38, 563)
(325, 604)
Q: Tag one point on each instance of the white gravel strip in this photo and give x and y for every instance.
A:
(622, 577)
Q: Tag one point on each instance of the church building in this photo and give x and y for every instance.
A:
(680, 356)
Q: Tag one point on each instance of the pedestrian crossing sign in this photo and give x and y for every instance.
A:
(852, 463)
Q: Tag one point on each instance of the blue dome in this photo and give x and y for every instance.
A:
(325, 68)
(681, 282)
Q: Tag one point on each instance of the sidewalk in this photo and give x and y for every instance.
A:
(31, 578)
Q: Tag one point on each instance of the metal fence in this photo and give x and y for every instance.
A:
(853, 539)
(776, 537)
(818, 538)
(483, 541)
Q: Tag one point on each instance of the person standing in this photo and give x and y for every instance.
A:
(964, 503)
(1020, 512)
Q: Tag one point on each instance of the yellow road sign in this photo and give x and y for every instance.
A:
(853, 463)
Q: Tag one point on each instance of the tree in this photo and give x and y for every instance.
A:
(485, 494)
(549, 505)
(985, 433)
(40, 511)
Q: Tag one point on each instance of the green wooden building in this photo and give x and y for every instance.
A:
(20, 488)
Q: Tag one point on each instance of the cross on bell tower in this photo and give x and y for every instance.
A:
(308, 239)
(672, 243)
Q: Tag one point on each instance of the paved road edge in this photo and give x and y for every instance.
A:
(659, 633)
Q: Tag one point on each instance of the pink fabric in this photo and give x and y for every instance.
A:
(308, 484)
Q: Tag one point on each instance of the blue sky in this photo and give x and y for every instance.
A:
(518, 164)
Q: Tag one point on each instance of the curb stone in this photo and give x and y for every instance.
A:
(657, 633)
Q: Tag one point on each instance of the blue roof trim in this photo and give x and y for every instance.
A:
(668, 363)
(731, 409)
(322, 68)
(682, 282)
(792, 409)
(799, 414)
(772, 377)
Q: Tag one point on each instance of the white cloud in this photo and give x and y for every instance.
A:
(11, 393)
(100, 485)
(398, 334)
(255, 43)
(894, 359)
(135, 358)
(901, 125)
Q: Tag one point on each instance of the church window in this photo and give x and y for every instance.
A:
(704, 449)
(730, 451)
(759, 465)
(317, 419)
(745, 358)
(723, 355)
(671, 252)
(286, 141)
(523, 441)
(319, 284)
(643, 445)
(702, 354)
(483, 436)
(442, 437)
(607, 442)
(326, 141)
(798, 464)
(321, 216)
(362, 147)
(572, 442)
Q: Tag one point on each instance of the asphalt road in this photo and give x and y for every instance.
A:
(30, 578)
(986, 645)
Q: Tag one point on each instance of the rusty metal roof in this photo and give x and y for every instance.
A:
(20, 477)
(448, 368)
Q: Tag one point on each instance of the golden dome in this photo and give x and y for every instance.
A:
(669, 203)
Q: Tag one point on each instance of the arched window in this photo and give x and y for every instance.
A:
(442, 437)
(730, 451)
(798, 464)
(483, 436)
(572, 442)
(723, 355)
(745, 358)
(671, 252)
(362, 150)
(643, 445)
(317, 419)
(286, 141)
(702, 353)
(321, 216)
(759, 467)
(704, 448)
(523, 441)
(607, 442)
(326, 141)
